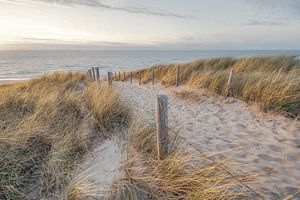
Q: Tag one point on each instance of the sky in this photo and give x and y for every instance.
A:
(149, 24)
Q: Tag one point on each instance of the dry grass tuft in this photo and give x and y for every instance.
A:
(82, 190)
(46, 126)
(179, 176)
(271, 82)
(187, 95)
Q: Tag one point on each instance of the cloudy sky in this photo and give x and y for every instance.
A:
(149, 24)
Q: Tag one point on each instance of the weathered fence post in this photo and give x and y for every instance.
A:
(109, 78)
(124, 76)
(119, 76)
(130, 77)
(93, 73)
(162, 126)
(153, 72)
(115, 76)
(90, 73)
(177, 75)
(140, 77)
(97, 74)
(230, 79)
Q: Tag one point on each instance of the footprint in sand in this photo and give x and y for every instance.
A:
(242, 155)
(255, 134)
(281, 161)
(297, 142)
(256, 160)
(242, 136)
(241, 126)
(189, 129)
(297, 167)
(265, 157)
(294, 156)
(274, 148)
(276, 160)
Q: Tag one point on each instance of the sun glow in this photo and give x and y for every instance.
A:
(117, 23)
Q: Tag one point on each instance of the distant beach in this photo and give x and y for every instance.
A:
(7, 81)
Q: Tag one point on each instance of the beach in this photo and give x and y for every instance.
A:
(227, 138)
(256, 143)
(3, 82)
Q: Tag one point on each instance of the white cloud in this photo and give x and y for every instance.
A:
(98, 4)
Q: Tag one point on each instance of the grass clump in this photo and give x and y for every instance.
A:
(46, 126)
(180, 175)
(187, 95)
(271, 82)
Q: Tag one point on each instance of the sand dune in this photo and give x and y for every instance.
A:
(254, 142)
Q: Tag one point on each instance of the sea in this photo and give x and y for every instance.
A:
(22, 65)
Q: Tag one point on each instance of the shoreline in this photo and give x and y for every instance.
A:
(5, 82)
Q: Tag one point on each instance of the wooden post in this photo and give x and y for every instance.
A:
(115, 76)
(119, 76)
(177, 75)
(99, 77)
(109, 78)
(140, 77)
(230, 79)
(97, 74)
(153, 72)
(95, 71)
(90, 73)
(124, 76)
(130, 77)
(162, 126)
(94, 75)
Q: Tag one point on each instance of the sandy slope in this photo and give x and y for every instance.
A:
(261, 143)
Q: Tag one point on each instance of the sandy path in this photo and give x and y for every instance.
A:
(100, 169)
(259, 143)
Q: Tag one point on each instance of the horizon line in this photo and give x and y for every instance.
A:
(149, 49)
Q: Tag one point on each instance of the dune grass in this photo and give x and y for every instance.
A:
(190, 96)
(271, 82)
(181, 175)
(46, 126)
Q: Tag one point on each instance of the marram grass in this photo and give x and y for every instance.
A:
(180, 175)
(271, 82)
(46, 126)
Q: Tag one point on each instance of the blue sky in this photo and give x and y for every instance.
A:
(149, 24)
